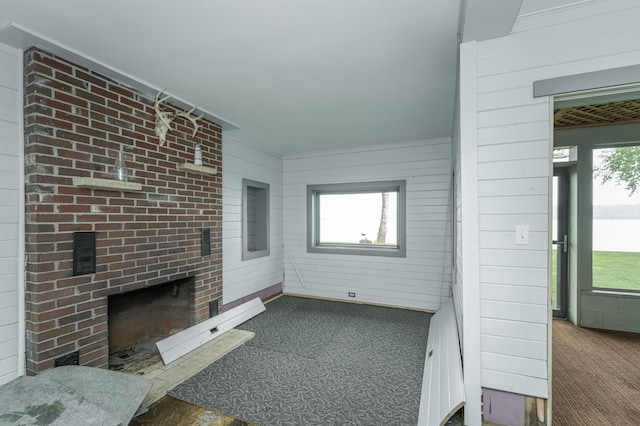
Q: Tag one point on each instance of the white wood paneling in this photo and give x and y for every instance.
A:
(516, 151)
(514, 166)
(527, 130)
(505, 116)
(243, 278)
(517, 294)
(442, 384)
(514, 187)
(528, 367)
(508, 222)
(515, 204)
(514, 329)
(513, 169)
(524, 348)
(11, 213)
(515, 258)
(514, 276)
(507, 98)
(524, 312)
(505, 240)
(423, 278)
(513, 382)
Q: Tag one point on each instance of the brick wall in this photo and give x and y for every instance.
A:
(76, 121)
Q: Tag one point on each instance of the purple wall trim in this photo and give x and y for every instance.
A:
(503, 408)
(263, 294)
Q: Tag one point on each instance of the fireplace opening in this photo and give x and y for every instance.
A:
(140, 318)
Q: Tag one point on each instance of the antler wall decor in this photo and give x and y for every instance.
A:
(164, 118)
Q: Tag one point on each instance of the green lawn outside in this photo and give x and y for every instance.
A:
(611, 269)
(615, 269)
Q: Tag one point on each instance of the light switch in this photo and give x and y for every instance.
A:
(522, 235)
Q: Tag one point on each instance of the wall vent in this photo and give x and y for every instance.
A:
(84, 253)
(206, 242)
(213, 308)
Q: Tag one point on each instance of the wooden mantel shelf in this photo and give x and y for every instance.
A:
(107, 184)
(211, 171)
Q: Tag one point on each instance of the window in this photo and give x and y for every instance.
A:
(616, 219)
(565, 154)
(357, 218)
(255, 219)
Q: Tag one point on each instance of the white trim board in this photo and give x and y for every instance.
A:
(22, 342)
(183, 342)
(470, 232)
(442, 384)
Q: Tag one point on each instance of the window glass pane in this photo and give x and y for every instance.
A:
(358, 218)
(616, 218)
(566, 154)
(561, 155)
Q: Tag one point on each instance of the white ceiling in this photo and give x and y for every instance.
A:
(294, 75)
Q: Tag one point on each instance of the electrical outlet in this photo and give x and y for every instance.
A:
(352, 294)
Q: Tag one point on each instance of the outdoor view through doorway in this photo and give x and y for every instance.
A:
(616, 218)
(615, 223)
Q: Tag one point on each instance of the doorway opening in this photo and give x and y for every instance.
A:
(595, 247)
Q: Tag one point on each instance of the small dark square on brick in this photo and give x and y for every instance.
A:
(213, 308)
(206, 241)
(69, 359)
(84, 253)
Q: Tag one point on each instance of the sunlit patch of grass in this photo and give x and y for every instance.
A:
(616, 269)
(611, 270)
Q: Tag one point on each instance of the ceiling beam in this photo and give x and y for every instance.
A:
(485, 19)
(611, 134)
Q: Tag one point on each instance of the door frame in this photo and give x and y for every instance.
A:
(562, 260)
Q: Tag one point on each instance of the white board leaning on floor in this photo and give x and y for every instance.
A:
(442, 384)
(183, 342)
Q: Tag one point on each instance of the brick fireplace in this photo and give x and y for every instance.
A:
(76, 122)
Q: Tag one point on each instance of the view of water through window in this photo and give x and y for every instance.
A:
(355, 218)
(616, 219)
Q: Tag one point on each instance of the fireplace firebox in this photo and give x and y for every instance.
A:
(140, 318)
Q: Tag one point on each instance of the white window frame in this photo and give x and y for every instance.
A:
(313, 219)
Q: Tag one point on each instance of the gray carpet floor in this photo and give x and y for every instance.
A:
(316, 362)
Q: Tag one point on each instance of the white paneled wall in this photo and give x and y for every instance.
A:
(513, 134)
(423, 278)
(11, 205)
(242, 278)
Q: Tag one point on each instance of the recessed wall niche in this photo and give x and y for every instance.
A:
(255, 219)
